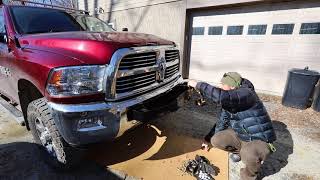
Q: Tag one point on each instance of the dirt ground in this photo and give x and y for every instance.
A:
(154, 151)
(148, 153)
(159, 150)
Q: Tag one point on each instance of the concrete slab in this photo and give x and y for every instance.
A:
(10, 130)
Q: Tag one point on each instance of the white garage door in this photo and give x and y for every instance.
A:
(262, 45)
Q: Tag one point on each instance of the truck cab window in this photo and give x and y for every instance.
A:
(3, 38)
(32, 20)
(92, 24)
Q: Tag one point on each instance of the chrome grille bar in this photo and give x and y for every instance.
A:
(130, 83)
(172, 70)
(138, 60)
(171, 55)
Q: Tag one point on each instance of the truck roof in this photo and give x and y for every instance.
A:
(46, 6)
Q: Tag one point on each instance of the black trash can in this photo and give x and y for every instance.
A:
(316, 99)
(299, 88)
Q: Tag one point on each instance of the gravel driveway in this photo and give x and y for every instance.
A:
(298, 144)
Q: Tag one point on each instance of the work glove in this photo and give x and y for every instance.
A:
(206, 146)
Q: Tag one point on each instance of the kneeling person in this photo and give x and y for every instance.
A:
(244, 127)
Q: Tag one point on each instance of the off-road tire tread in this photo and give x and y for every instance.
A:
(40, 109)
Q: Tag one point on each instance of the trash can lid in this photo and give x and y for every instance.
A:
(305, 71)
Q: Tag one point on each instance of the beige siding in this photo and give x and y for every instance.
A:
(164, 20)
(81, 5)
(128, 4)
(210, 3)
(118, 5)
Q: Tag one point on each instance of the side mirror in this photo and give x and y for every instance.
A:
(3, 38)
(125, 29)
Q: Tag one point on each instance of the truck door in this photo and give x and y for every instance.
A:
(5, 71)
(2, 46)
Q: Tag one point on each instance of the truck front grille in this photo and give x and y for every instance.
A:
(139, 60)
(141, 71)
(134, 82)
(171, 55)
(171, 70)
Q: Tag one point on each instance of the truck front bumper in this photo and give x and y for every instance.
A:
(109, 119)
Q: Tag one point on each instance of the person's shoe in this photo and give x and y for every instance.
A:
(235, 157)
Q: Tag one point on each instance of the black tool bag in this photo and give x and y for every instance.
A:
(201, 168)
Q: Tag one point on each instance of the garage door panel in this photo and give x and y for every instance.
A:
(265, 59)
(307, 50)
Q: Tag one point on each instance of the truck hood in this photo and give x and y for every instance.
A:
(87, 47)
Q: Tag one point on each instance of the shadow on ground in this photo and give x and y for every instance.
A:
(284, 145)
(183, 131)
(23, 160)
(175, 145)
(130, 145)
(138, 141)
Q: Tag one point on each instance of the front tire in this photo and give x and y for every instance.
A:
(44, 130)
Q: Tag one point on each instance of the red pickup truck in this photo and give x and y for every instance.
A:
(72, 80)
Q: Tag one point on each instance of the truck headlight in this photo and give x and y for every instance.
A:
(76, 81)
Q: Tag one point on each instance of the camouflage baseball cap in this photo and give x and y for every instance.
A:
(232, 79)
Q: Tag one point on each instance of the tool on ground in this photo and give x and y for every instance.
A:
(201, 168)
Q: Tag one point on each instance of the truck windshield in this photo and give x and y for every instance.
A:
(92, 24)
(32, 20)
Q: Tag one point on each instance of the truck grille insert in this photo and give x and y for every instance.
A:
(139, 72)
(171, 55)
(134, 82)
(172, 70)
(139, 60)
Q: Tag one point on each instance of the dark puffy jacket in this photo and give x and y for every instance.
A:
(242, 111)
